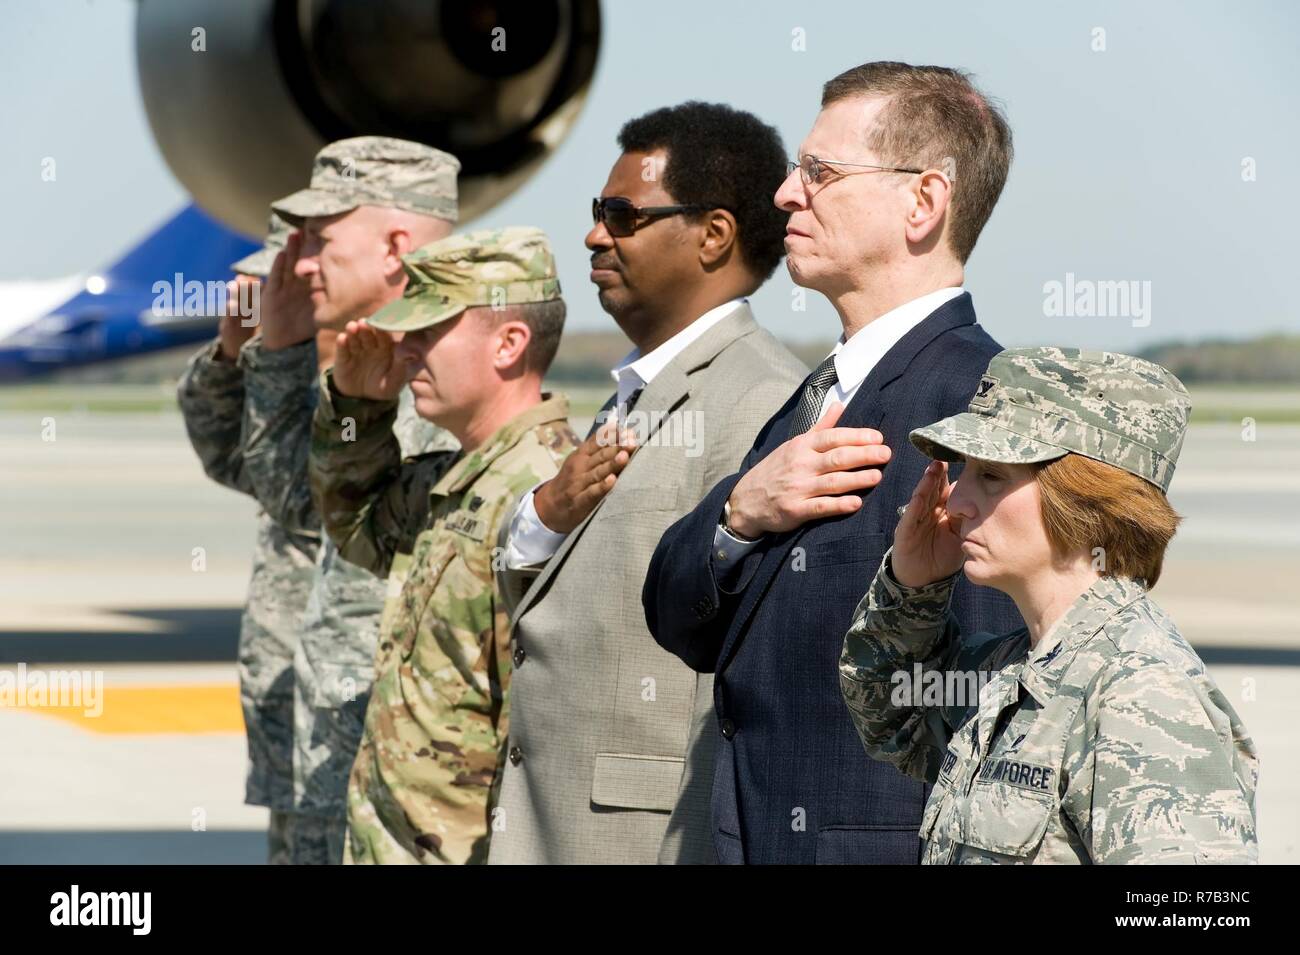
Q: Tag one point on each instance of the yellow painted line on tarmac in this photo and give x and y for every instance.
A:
(193, 708)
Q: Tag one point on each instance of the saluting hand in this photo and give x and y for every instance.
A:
(586, 476)
(286, 305)
(811, 476)
(365, 364)
(235, 328)
(927, 541)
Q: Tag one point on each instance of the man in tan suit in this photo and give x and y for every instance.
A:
(610, 757)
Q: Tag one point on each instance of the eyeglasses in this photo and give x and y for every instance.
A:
(810, 168)
(622, 218)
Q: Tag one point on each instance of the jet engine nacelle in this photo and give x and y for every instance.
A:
(242, 93)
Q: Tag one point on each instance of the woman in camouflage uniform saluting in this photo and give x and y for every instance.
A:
(1099, 736)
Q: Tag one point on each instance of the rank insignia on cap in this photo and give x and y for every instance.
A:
(985, 389)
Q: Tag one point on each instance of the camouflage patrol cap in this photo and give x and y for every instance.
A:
(510, 266)
(376, 171)
(1037, 404)
(259, 262)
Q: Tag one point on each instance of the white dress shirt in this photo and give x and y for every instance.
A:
(531, 542)
(854, 360)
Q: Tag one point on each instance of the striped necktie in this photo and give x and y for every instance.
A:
(814, 393)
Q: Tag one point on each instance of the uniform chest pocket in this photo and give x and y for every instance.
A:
(1007, 818)
(1015, 794)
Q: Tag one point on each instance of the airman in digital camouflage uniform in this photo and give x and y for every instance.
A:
(211, 396)
(1101, 738)
(481, 319)
(370, 201)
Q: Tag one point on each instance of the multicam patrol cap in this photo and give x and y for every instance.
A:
(510, 266)
(259, 263)
(1037, 404)
(376, 171)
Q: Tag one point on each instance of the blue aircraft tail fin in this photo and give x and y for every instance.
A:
(123, 311)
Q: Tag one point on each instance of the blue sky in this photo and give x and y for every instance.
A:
(1128, 161)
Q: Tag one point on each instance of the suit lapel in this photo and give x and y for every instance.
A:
(605, 409)
(862, 412)
(669, 389)
(893, 363)
(552, 567)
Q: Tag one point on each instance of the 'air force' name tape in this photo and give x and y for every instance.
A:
(1024, 775)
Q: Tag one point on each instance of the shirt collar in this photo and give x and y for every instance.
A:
(552, 407)
(855, 358)
(1047, 661)
(637, 370)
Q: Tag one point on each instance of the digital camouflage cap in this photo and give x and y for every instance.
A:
(376, 171)
(1037, 404)
(259, 262)
(488, 267)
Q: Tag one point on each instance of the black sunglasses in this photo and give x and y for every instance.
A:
(622, 218)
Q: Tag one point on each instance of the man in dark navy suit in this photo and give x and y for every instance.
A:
(759, 582)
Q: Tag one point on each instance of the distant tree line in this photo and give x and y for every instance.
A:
(586, 357)
(1271, 359)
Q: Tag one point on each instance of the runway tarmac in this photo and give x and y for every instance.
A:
(120, 558)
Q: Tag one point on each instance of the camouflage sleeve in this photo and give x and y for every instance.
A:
(1164, 788)
(370, 500)
(895, 631)
(280, 391)
(211, 398)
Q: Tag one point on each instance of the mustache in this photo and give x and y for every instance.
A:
(604, 262)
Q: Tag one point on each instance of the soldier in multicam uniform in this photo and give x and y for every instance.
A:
(211, 396)
(1101, 738)
(370, 201)
(481, 320)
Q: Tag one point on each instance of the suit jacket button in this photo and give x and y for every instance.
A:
(516, 755)
(519, 655)
(728, 729)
